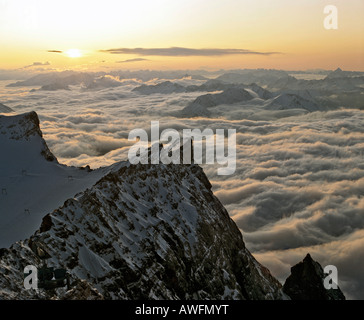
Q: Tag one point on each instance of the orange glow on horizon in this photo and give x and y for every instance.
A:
(35, 32)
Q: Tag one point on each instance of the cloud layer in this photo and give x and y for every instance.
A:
(299, 181)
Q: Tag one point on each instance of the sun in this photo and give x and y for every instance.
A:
(73, 53)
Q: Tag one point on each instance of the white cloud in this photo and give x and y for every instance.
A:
(299, 181)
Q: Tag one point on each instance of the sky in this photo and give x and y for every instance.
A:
(90, 126)
(213, 34)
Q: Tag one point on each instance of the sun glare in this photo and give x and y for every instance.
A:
(73, 53)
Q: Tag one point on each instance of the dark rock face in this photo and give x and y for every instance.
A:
(32, 119)
(306, 282)
(82, 291)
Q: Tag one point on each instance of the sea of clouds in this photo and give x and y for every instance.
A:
(299, 181)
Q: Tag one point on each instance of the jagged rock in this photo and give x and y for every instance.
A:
(46, 223)
(83, 291)
(147, 232)
(338, 73)
(24, 127)
(306, 282)
(140, 232)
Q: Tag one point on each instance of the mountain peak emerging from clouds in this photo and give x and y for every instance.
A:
(306, 282)
(32, 181)
(338, 73)
(25, 127)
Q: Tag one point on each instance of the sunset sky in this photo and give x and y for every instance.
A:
(213, 34)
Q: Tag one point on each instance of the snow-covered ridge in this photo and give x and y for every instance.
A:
(131, 231)
(20, 127)
(290, 101)
(146, 232)
(32, 182)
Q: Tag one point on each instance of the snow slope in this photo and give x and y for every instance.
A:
(32, 182)
(292, 101)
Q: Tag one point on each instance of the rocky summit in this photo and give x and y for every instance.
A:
(306, 282)
(144, 232)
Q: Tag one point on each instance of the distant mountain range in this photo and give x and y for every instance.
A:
(338, 89)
